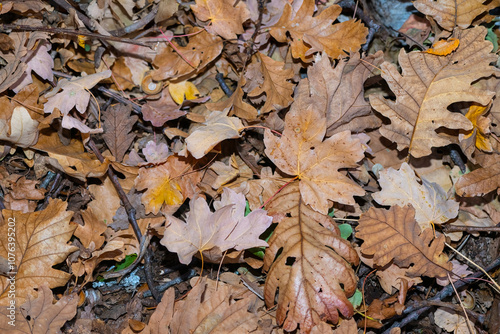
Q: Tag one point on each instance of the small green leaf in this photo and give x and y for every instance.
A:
(356, 299)
(129, 259)
(345, 230)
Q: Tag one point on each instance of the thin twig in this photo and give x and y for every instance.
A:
(132, 220)
(471, 229)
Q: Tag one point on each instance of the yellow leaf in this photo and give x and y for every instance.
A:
(81, 41)
(481, 125)
(444, 47)
(181, 89)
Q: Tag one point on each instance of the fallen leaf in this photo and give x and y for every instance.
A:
(443, 47)
(118, 125)
(162, 110)
(225, 18)
(40, 243)
(394, 235)
(428, 199)
(183, 89)
(235, 104)
(450, 13)
(422, 100)
(310, 264)
(217, 128)
(40, 314)
(226, 228)
(317, 34)
(22, 130)
(480, 133)
(303, 152)
(451, 322)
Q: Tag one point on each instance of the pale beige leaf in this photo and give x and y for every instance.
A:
(217, 128)
(41, 314)
(23, 130)
(313, 269)
(41, 241)
(452, 13)
(394, 235)
(428, 86)
(428, 199)
(451, 321)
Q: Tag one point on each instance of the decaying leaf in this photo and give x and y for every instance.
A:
(22, 130)
(235, 104)
(444, 47)
(394, 235)
(317, 34)
(429, 84)
(217, 128)
(39, 315)
(118, 125)
(428, 199)
(226, 228)
(40, 242)
(451, 322)
(313, 269)
(452, 13)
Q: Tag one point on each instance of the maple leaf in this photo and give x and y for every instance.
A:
(276, 87)
(200, 51)
(41, 314)
(312, 271)
(118, 125)
(428, 86)
(302, 152)
(165, 188)
(452, 13)
(225, 19)
(428, 199)
(315, 34)
(226, 228)
(40, 242)
(394, 234)
(217, 128)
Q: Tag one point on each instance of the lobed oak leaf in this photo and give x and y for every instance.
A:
(302, 152)
(224, 229)
(428, 199)
(41, 314)
(166, 189)
(225, 18)
(452, 13)
(41, 242)
(430, 84)
(276, 87)
(217, 128)
(317, 34)
(394, 235)
(312, 269)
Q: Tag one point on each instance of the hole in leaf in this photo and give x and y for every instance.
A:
(290, 261)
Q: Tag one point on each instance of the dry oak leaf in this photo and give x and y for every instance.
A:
(339, 91)
(276, 87)
(317, 34)
(210, 307)
(302, 152)
(428, 199)
(41, 241)
(394, 235)
(452, 13)
(217, 128)
(200, 51)
(483, 180)
(225, 19)
(430, 84)
(313, 269)
(226, 228)
(41, 314)
(168, 184)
